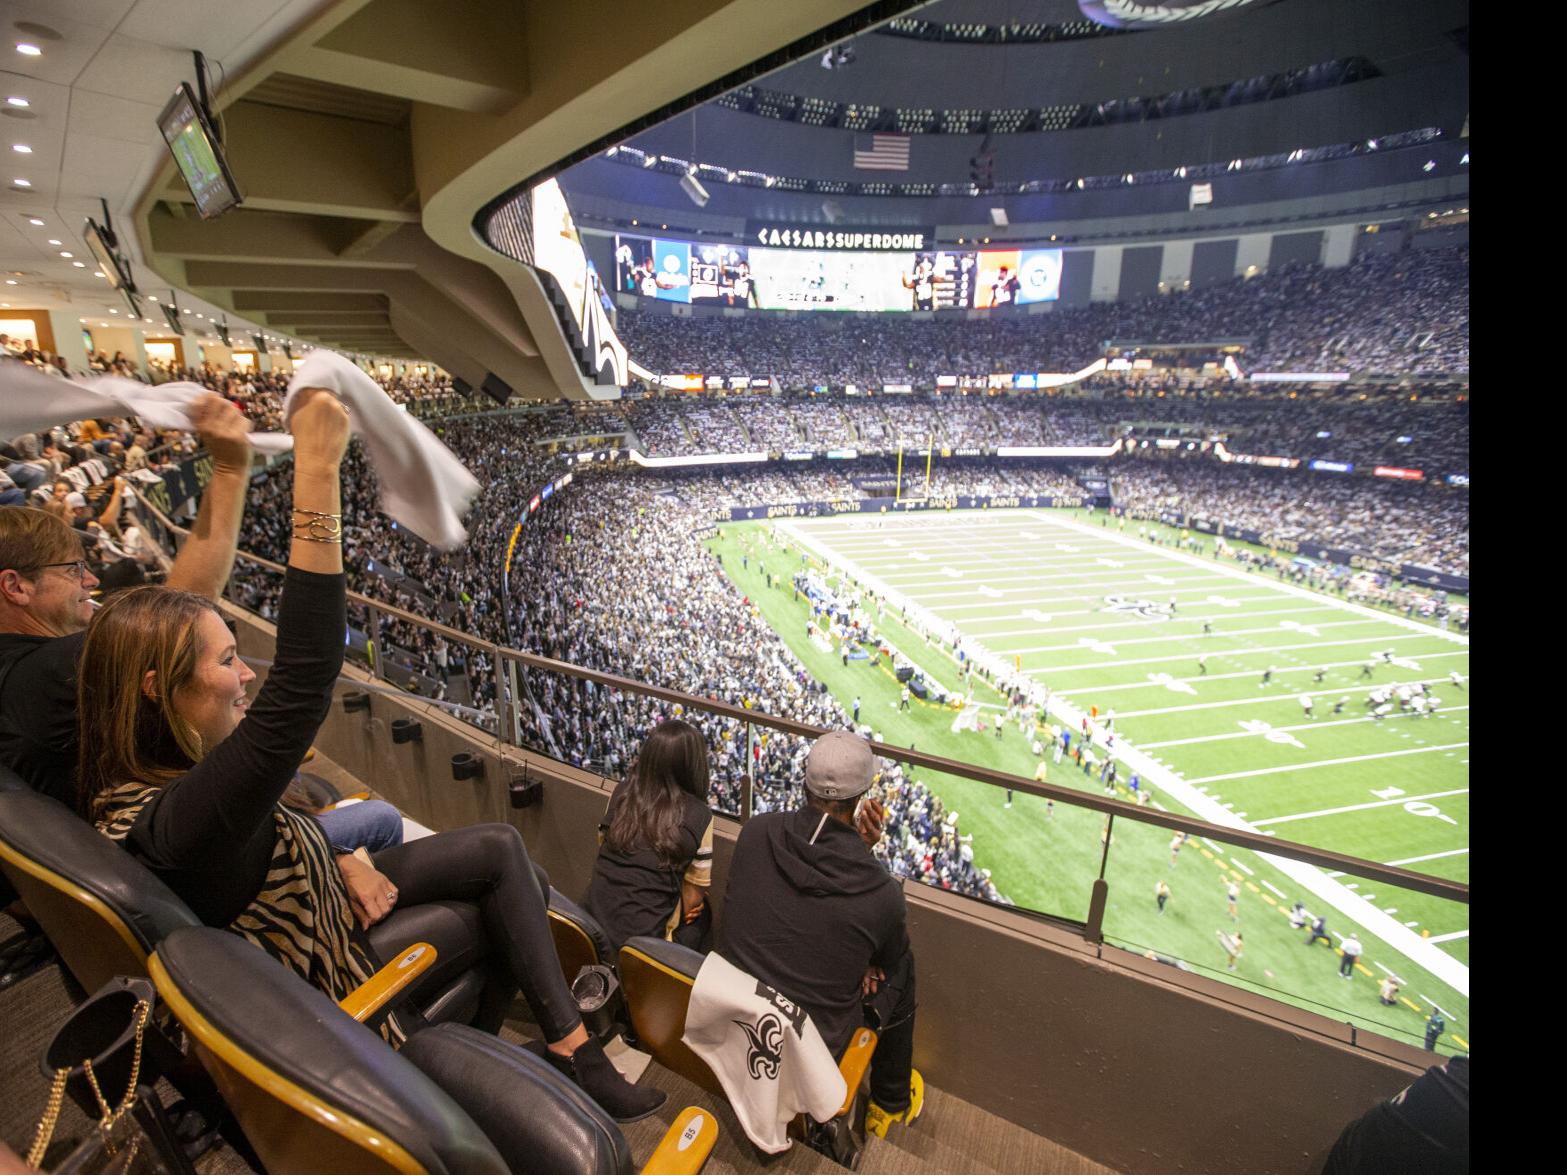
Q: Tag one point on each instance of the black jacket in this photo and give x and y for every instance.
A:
(808, 919)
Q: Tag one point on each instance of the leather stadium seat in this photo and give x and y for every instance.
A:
(105, 912)
(579, 940)
(658, 977)
(316, 1091)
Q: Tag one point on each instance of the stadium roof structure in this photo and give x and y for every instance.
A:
(1013, 100)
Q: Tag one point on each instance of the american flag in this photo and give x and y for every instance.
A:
(881, 152)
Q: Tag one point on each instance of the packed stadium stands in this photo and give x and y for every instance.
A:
(1403, 313)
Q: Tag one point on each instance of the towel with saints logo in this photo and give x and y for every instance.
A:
(765, 1051)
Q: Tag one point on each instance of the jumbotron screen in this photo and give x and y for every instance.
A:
(808, 279)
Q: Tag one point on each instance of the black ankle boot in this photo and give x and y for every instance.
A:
(601, 1081)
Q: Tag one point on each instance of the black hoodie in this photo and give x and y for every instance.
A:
(808, 919)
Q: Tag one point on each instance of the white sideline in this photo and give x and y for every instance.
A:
(1399, 937)
(1449, 937)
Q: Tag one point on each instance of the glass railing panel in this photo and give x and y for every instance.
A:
(1282, 928)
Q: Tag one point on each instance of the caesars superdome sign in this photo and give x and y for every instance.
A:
(777, 235)
(1143, 14)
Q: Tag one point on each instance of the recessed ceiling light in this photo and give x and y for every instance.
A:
(18, 101)
(21, 183)
(36, 221)
(10, 281)
(28, 49)
(67, 254)
(21, 148)
(113, 311)
(52, 241)
(82, 265)
(5, 305)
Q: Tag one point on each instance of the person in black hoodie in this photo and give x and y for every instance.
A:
(811, 912)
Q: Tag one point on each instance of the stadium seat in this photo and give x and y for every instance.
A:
(579, 940)
(658, 977)
(105, 912)
(316, 1091)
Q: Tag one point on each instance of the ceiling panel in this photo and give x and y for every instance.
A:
(108, 117)
(216, 29)
(126, 67)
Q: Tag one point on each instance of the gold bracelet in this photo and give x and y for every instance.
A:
(305, 538)
(317, 527)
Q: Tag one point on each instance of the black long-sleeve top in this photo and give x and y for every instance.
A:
(209, 835)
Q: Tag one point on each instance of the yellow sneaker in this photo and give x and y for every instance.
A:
(877, 1119)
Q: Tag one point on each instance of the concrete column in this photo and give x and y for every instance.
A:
(139, 350)
(67, 328)
(1107, 274)
(1252, 249)
(1175, 268)
(1338, 244)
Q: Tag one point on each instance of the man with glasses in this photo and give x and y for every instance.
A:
(46, 590)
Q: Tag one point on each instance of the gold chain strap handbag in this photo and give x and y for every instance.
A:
(119, 1145)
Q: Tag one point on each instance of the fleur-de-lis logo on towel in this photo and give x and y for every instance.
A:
(765, 1037)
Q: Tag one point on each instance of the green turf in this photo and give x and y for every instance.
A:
(1028, 561)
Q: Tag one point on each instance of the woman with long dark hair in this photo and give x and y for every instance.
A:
(186, 772)
(655, 859)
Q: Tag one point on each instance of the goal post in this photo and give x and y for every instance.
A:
(924, 495)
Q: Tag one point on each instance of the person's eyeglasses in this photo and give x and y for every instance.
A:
(76, 569)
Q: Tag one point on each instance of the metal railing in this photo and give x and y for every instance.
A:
(507, 728)
(507, 673)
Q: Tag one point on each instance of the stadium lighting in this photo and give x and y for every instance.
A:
(19, 102)
(21, 183)
(1465, 160)
(21, 148)
(1371, 144)
(1429, 166)
(36, 221)
(27, 49)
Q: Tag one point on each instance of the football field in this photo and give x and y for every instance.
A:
(1176, 645)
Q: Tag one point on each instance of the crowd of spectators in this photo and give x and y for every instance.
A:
(1401, 522)
(1418, 427)
(1405, 312)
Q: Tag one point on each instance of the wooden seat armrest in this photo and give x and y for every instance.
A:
(856, 1059)
(685, 1145)
(383, 988)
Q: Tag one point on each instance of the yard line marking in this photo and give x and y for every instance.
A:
(1332, 763)
(1208, 738)
(1436, 795)
(1265, 650)
(1190, 560)
(1096, 690)
(1167, 636)
(1450, 937)
(1429, 857)
(1275, 889)
(1242, 868)
(1192, 618)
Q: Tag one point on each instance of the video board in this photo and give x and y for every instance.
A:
(811, 279)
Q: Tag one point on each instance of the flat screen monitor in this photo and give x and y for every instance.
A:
(197, 154)
(172, 317)
(131, 301)
(114, 267)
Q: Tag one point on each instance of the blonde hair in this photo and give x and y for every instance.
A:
(126, 735)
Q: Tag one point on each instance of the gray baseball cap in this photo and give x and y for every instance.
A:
(839, 767)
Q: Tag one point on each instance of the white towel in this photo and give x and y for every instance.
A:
(423, 485)
(764, 1050)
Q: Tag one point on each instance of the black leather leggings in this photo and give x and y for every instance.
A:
(488, 865)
